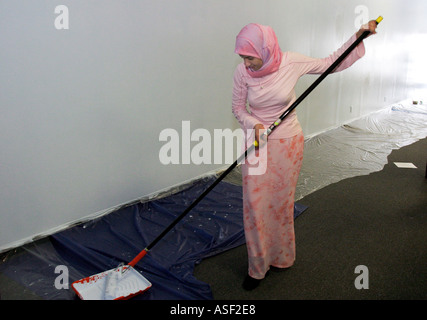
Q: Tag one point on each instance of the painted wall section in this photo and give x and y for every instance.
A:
(85, 92)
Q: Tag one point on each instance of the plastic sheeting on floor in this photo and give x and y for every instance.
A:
(213, 226)
(360, 147)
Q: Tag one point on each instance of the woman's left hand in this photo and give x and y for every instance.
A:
(370, 26)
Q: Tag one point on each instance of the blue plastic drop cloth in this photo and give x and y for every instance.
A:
(213, 226)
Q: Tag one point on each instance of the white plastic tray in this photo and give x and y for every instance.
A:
(93, 287)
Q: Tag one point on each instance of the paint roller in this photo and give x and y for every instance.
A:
(116, 275)
(111, 282)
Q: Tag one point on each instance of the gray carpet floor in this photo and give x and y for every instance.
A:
(378, 221)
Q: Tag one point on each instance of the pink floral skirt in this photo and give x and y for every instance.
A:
(268, 206)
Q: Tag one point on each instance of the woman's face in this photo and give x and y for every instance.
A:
(251, 62)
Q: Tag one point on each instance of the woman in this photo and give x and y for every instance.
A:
(266, 80)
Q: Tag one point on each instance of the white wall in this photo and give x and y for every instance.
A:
(81, 109)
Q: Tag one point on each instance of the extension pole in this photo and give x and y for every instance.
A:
(254, 145)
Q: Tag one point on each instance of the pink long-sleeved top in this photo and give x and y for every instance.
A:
(271, 95)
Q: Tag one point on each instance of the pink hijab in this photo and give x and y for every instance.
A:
(259, 41)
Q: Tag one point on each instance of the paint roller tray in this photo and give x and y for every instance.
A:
(93, 287)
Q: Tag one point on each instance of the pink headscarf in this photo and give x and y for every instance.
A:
(259, 41)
